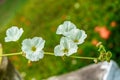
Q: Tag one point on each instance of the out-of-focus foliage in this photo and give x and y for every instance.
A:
(99, 18)
(8, 9)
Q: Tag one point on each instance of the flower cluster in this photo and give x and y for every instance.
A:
(33, 48)
(71, 38)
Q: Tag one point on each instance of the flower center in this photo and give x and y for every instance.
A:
(65, 50)
(76, 41)
(33, 48)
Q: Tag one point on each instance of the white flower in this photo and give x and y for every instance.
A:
(33, 48)
(65, 28)
(78, 36)
(67, 47)
(13, 34)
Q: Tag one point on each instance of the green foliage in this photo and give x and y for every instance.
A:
(42, 17)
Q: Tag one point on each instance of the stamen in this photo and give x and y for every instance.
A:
(76, 41)
(33, 48)
(65, 50)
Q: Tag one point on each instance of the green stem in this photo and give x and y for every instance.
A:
(49, 53)
(83, 57)
(11, 54)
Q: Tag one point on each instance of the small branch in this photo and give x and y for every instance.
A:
(11, 54)
(83, 57)
(49, 53)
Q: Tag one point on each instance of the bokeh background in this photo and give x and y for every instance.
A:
(99, 18)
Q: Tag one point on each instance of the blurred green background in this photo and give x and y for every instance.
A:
(99, 18)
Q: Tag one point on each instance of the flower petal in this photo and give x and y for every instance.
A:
(72, 49)
(26, 46)
(13, 34)
(58, 51)
(38, 42)
(65, 28)
(78, 36)
(35, 56)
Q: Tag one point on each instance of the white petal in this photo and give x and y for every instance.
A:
(26, 46)
(38, 42)
(77, 35)
(64, 42)
(35, 56)
(13, 34)
(69, 25)
(81, 40)
(58, 51)
(73, 34)
(67, 43)
(65, 28)
(60, 29)
(72, 49)
(19, 34)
